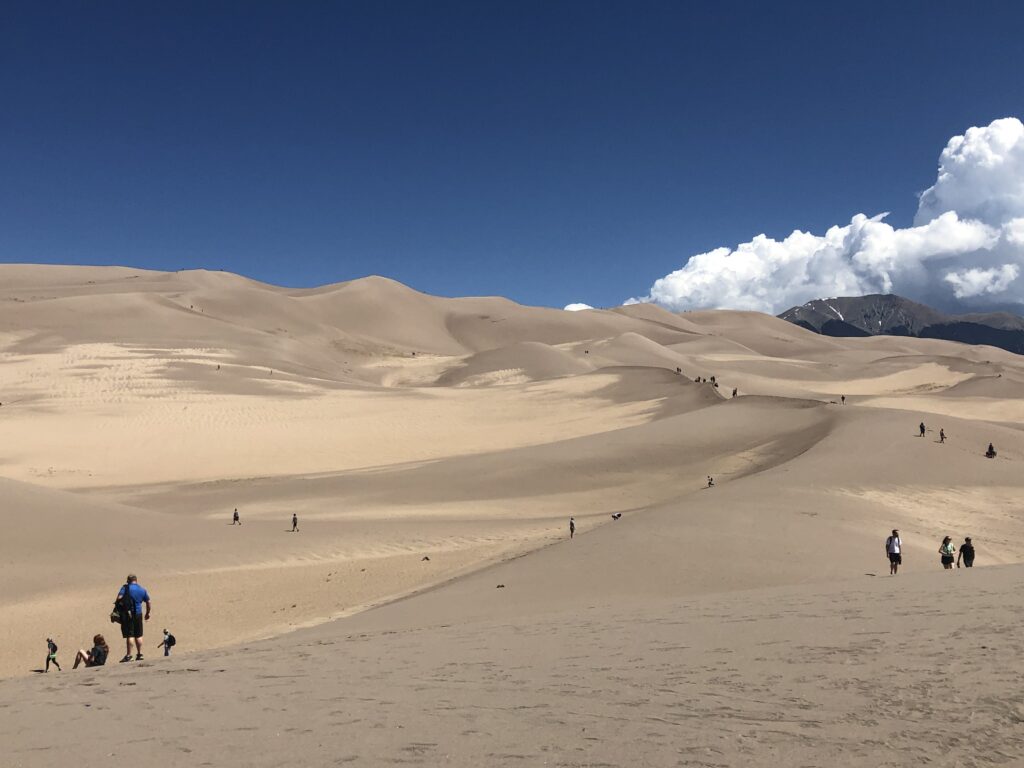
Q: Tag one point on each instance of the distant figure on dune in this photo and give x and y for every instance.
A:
(51, 655)
(942, 435)
(572, 527)
(894, 551)
(235, 519)
(842, 399)
(711, 482)
(991, 452)
(946, 552)
(966, 553)
(616, 515)
(295, 523)
(735, 391)
(921, 428)
(96, 657)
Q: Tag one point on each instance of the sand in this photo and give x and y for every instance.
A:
(433, 449)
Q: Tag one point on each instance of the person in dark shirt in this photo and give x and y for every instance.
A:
(295, 523)
(966, 554)
(51, 655)
(96, 657)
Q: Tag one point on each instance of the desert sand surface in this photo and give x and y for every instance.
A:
(433, 450)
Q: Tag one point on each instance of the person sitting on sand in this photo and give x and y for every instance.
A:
(921, 427)
(51, 655)
(894, 551)
(96, 657)
(572, 527)
(966, 553)
(942, 435)
(947, 551)
(991, 452)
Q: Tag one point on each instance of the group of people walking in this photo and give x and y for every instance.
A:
(948, 553)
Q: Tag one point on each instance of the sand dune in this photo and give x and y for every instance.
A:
(433, 449)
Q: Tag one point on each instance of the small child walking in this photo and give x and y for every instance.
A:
(167, 643)
(51, 655)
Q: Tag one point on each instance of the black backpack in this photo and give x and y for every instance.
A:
(169, 641)
(124, 607)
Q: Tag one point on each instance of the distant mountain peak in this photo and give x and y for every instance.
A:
(891, 315)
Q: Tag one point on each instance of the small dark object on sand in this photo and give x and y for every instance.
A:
(616, 515)
(500, 586)
(424, 558)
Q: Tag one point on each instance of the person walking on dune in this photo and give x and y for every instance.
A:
(711, 482)
(295, 523)
(942, 435)
(842, 399)
(235, 519)
(921, 427)
(894, 551)
(966, 554)
(572, 527)
(946, 552)
(51, 655)
(131, 598)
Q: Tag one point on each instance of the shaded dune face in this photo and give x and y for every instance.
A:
(140, 408)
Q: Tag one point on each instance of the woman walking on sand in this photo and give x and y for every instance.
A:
(948, 553)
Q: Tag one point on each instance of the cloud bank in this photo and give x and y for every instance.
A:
(966, 244)
(576, 307)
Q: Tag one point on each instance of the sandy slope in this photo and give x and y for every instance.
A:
(140, 408)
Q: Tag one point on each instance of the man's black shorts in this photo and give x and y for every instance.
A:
(132, 627)
(896, 558)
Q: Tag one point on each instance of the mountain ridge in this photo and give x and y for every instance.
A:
(892, 315)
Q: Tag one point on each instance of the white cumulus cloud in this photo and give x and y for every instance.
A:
(576, 307)
(967, 242)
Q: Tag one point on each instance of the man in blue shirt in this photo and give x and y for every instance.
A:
(132, 617)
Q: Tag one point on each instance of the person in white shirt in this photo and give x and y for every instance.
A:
(894, 549)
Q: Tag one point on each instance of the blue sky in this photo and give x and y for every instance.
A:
(549, 152)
